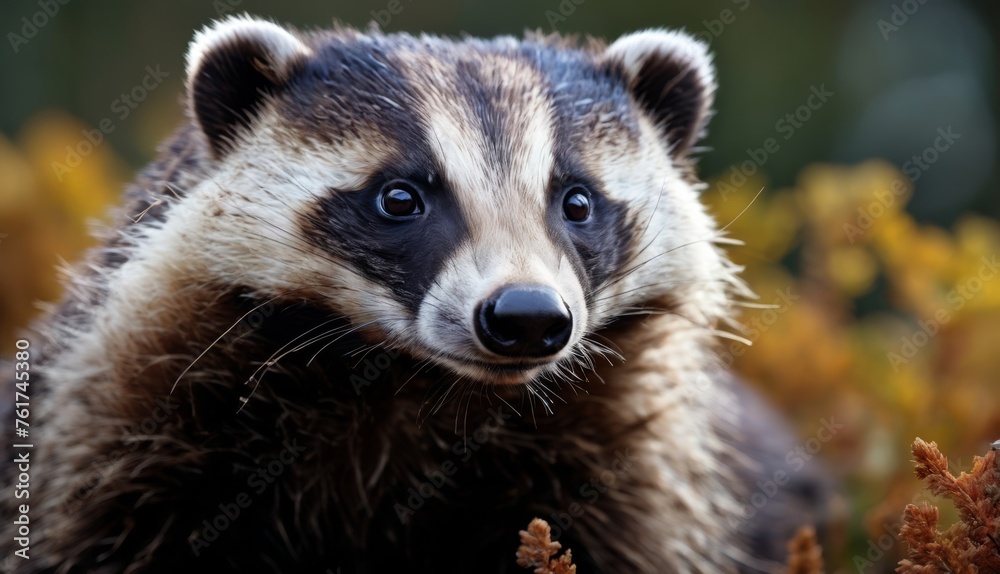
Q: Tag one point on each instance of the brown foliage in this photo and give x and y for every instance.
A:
(537, 551)
(805, 555)
(969, 546)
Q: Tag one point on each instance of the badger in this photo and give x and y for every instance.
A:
(385, 298)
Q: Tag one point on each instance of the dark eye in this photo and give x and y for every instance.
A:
(400, 200)
(576, 204)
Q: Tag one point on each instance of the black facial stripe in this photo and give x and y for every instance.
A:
(486, 101)
(590, 101)
(592, 107)
(351, 89)
(404, 256)
(598, 247)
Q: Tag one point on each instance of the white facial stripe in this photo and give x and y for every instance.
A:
(527, 117)
(500, 176)
(495, 197)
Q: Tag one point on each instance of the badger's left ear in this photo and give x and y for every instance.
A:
(232, 67)
(670, 74)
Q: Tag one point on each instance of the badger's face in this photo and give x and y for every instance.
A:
(487, 206)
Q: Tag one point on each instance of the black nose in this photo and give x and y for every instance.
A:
(524, 321)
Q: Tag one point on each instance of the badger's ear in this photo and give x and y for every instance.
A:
(232, 66)
(670, 74)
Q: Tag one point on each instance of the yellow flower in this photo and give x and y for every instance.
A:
(852, 269)
(45, 214)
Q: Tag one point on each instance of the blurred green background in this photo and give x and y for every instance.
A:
(893, 88)
(894, 75)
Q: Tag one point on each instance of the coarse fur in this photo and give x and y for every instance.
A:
(257, 371)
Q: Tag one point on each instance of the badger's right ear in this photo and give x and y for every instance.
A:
(232, 67)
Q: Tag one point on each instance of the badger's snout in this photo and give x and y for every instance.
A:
(524, 321)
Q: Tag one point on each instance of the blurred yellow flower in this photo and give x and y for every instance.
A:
(44, 220)
(852, 269)
(922, 363)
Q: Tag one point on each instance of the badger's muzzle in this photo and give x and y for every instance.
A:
(524, 321)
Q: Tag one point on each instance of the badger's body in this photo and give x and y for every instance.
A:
(386, 299)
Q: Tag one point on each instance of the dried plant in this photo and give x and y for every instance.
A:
(805, 555)
(969, 546)
(538, 549)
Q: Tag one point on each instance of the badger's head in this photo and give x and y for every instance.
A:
(485, 205)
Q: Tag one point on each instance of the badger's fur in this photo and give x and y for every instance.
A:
(286, 323)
